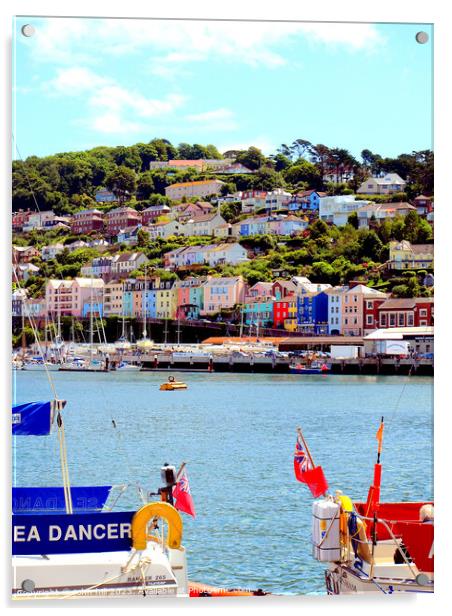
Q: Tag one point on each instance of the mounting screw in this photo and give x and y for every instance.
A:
(28, 30)
(422, 37)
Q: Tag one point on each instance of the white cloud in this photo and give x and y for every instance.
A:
(116, 103)
(174, 43)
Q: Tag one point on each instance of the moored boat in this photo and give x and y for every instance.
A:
(172, 385)
(374, 546)
(312, 368)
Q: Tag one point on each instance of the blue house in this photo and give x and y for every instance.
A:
(97, 309)
(312, 313)
(307, 200)
(105, 196)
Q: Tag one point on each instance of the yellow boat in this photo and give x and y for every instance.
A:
(172, 385)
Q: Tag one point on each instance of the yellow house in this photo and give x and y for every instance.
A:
(404, 255)
(290, 324)
(166, 300)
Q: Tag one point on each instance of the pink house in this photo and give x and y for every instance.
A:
(223, 293)
(353, 308)
(68, 297)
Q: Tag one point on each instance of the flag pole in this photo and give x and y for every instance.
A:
(179, 472)
(373, 497)
(300, 434)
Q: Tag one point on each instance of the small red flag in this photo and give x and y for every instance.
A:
(182, 496)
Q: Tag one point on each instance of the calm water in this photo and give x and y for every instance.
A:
(237, 434)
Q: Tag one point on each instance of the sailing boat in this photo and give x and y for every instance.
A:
(70, 551)
(65, 549)
(41, 361)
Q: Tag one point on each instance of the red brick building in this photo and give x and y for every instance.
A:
(371, 313)
(121, 218)
(86, 221)
(406, 312)
(153, 212)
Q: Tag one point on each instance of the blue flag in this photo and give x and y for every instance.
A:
(32, 418)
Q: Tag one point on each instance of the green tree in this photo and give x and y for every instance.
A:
(143, 238)
(121, 181)
(353, 220)
(251, 158)
(303, 171)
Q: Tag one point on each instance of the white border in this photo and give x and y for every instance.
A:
(433, 11)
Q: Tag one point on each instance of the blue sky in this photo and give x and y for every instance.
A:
(79, 83)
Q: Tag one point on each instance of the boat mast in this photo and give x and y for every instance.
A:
(91, 324)
(143, 305)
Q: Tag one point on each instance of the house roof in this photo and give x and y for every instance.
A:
(90, 282)
(398, 304)
(400, 205)
(126, 257)
(422, 198)
(392, 178)
(204, 217)
(223, 281)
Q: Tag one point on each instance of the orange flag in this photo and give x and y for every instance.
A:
(379, 435)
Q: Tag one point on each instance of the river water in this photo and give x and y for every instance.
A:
(237, 434)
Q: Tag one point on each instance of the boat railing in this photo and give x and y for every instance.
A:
(394, 541)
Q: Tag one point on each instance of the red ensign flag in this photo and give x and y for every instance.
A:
(182, 495)
(305, 472)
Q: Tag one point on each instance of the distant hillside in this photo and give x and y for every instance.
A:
(67, 182)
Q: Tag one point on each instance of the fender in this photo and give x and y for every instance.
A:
(160, 510)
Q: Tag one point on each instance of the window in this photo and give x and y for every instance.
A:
(370, 319)
(392, 319)
(401, 319)
(410, 319)
(423, 312)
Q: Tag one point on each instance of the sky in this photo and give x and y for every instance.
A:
(79, 83)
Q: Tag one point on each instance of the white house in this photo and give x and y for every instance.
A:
(390, 183)
(126, 262)
(335, 299)
(50, 252)
(337, 209)
(203, 225)
(277, 199)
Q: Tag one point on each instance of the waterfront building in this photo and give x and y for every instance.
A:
(87, 221)
(113, 297)
(190, 297)
(285, 313)
(121, 218)
(420, 339)
(375, 213)
(406, 312)
(404, 255)
(224, 292)
(166, 299)
(51, 251)
(353, 308)
(69, 297)
(202, 188)
(335, 299)
(390, 183)
(304, 285)
(312, 312)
